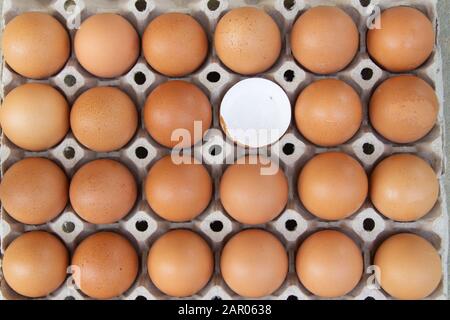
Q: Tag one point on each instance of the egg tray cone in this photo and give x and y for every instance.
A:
(142, 226)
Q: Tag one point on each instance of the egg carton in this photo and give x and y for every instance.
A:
(142, 226)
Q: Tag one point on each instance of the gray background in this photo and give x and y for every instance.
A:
(444, 42)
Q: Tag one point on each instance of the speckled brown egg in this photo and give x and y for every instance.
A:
(247, 40)
(254, 190)
(35, 116)
(404, 187)
(35, 264)
(178, 191)
(332, 185)
(404, 40)
(329, 264)
(106, 265)
(403, 109)
(34, 190)
(103, 191)
(254, 263)
(409, 266)
(324, 39)
(175, 44)
(177, 114)
(328, 112)
(104, 119)
(35, 45)
(180, 263)
(106, 45)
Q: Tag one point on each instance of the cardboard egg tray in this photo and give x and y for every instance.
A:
(142, 226)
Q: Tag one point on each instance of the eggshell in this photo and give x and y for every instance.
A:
(404, 187)
(328, 112)
(255, 112)
(178, 191)
(35, 116)
(34, 190)
(247, 40)
(332, 186)
(254, 263)
(104, 119)
(175, 44)
(35, 264)
(329, 264)
(35, 45)
(106, 265)
(254, 190)
(324, 39)
(180, 263)
(409, 266)
(103, 191)
(403, 109)
(176, 108)
(404, 40)
(106, 45)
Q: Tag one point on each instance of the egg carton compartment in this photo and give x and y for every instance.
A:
(142, 226)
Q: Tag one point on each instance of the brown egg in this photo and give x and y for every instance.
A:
(103, 191)
(175, 44)
(106, 265)
(34, 190)
(404, 40)
(247, 40)
(106, 45)
(332, 185)
(254, 191)
(324, 39)
(403, 109)
(409, 266)
(35, 45)
(329, 264)
(35, 116)
(180, 263)
(254, 263)
(35, 264)
(178, 192)
(177, 105)
(403, 187)
(328, 112)
(104, 119)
